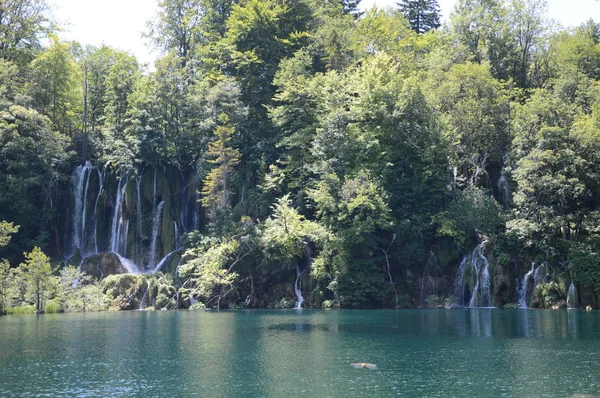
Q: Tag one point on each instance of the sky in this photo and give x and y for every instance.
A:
(119, 23)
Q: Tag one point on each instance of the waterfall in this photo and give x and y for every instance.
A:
(572, 296)
(162, 262)
(82, 178)
(459, 283)
(504, 191)
(482, 292)
(84, 210)
(297, 288)
(124, 235)
(523, 291)
(144, 297)
(155, 225)
(177, 236)
(100, 188)
(196, 209)
(478, 265)
(138, 215)
(117, 221)
(129, 265)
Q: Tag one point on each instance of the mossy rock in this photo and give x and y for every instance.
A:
(102, 265)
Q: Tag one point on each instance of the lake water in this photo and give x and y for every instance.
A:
(420, 353)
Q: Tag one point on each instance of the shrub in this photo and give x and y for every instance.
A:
(52, 307)
(197, 306)
(22, 310)
(330, 304)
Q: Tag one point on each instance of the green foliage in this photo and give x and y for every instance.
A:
(549, 294)
(6, 229)
(584, 263)
(327, 304)
(22, 310)
(215, 191)
(52, 307)
(199, 306)
(423, 15)
(472, 211)
(209, 266)
(37, 274)
(350, 147)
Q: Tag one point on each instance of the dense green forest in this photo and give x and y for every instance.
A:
(287, 150)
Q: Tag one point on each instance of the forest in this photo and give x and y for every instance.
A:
(302, 153)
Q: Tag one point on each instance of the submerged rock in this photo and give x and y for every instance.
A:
(363, 365)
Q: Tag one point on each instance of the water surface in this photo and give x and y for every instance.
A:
(421, 353)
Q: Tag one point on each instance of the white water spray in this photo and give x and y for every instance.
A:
(478, 265)
(82, 177)
(572, 296)
(297, 288)
(523, 291)
(117, 222)
(100, 188)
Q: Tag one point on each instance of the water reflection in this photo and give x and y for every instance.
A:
(437, 353)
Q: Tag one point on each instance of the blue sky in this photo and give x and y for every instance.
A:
(119, 23)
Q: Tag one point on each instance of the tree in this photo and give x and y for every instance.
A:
(216, 191)
(22, 23)
(352, 7)
(38, 275)
(209, 267)
(55, 85)
(423, 15)
(176, 28)
(6, 229)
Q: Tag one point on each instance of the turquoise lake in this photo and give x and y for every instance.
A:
(306, 353)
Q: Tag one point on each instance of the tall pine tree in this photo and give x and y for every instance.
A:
(423, 15)
(352, 7)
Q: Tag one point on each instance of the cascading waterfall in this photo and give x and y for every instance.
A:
(572, 296)
(155, 225)
(84, 211)
(144, 298)
(129, 265)
(100, 188)
(482, 291)
(138, 215)
(177, 236)
(117, 222)
(524, 289)
(81, 180)
(478, 265)
(297, 288)
(162, 261)
(97, 225)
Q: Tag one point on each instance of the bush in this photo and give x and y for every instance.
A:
(161, 301)
(22, 310)
(330, 304)
(284, 303)
(197, 306)
(434, 301)
(52, 307)
(549, 294)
